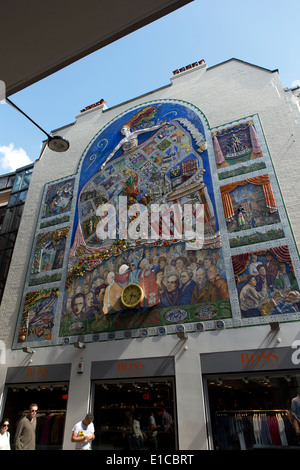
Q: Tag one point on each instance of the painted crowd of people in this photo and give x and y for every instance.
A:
(169, 276)
(269, 288)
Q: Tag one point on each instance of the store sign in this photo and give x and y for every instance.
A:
(40, 373)
(248, 360)
(256, 359)
(130, 368)
(37, 372)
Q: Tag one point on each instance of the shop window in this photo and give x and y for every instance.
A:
(52, 404)
(253, 412)
(117, 404)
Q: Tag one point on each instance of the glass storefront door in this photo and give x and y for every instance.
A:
(51, 399)
(254, 411)
(123, 407)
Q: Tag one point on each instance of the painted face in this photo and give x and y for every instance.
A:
(200, 276)
(78, 305)
(172, 284)
(89, 300)
(184, 277)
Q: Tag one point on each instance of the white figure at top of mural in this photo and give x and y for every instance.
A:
(130, 140)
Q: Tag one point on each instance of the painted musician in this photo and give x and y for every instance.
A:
(281, 304)
(251, 300)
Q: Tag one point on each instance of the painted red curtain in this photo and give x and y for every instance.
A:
(241, 262)
(262, 180)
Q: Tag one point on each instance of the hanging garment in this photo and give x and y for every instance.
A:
(274, 431)
(265, 430)
(256, 429)
(281, 429)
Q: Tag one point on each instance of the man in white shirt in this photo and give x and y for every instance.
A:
(83, 433)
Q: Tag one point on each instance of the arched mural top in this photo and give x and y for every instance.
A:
(144, 153)
(134, 109)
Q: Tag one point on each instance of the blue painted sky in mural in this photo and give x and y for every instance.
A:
(264, 33)
(108, 139)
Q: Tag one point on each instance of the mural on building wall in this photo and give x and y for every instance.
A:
(266, 283)
(236, 144)
(147, 154)
(38, 314)
(49, 250)
(152, 154)
(171, 276)
(249, 204)
(159, 153)
(58, 198)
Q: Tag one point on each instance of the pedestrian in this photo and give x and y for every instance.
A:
(26, 430)
(83, 433)
(138, 437)
(153, 432)
(166, 421)
(4, 435)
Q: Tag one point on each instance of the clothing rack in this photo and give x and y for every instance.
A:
(246, 428)
(252, 411)
(51, 411)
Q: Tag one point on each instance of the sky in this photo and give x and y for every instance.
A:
(262, 32)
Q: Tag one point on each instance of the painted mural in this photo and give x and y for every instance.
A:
(144, 156)
(266, 283)
(152, 154)
(245, 268)
(38, 314)
(49, 251)
(58, 198)
(249, 204)
(236, 144)
(180, 285)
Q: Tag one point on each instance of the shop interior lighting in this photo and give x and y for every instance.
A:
(55, 142)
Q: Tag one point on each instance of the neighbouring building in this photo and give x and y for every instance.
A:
(100, 319)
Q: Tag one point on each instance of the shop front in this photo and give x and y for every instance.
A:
(252, 398)
(128, 397)
(47, 386)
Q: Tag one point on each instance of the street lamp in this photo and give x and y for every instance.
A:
(55, 142)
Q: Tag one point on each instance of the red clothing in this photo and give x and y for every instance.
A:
(148, 283)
